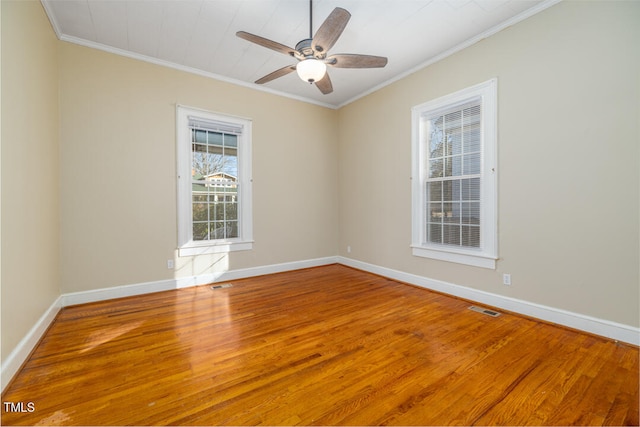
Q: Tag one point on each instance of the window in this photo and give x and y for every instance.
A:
(214, 182)
(454, 214)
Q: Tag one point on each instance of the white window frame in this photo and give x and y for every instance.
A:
(186, 245)
(486, 255)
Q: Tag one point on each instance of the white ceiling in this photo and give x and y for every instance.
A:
(199, 35)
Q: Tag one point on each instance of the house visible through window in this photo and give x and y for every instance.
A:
(214, 182)
(454, 186)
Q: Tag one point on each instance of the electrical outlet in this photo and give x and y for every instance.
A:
(506, 279)
(170, 264)
(348, 249)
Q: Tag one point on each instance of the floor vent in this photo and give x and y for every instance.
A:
(484, 311)
(224, 285)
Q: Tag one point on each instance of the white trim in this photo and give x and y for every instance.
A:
(273, 268)
(193, 249)
(593, 325)
(103, 294)
(223, 276)
(475, 260)
(21, 352)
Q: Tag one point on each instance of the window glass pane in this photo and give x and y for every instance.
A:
(436, 137)
(229, 163)
(200, 212)
(449, 213)
(470, 189)
(435, 212)
(217, 230)
(436, 168)
(434, 233)
(471, 213)
(231, 211)
(214, 138)
(434, 191)
(231, 141)
(216, 211)
(454, 143)
(471, 236)
(471, 164)
(199, 136)
(200, 231)
(447, 191)
(455, 189)
(232, 229)
(451, 234)
(454, 165)
(471, 140)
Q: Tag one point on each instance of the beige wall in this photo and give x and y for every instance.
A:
(568, 142)
(118, 169)
(29, 170)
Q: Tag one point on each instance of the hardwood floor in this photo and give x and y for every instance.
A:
(322, 346)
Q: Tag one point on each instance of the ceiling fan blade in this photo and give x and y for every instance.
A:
(269, 44)
(325, 85)
(277, 73)
(352, 60)
(330, 30)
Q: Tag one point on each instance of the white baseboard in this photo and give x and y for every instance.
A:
(104, 294)
(593, 325)
(24, 348)
(253, 271)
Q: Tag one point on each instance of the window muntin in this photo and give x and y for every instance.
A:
(454, 209)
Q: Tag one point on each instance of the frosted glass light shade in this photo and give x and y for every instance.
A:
(311, 70)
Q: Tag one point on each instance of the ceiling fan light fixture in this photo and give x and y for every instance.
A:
(311, 70)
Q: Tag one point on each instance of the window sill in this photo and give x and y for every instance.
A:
(197, 248)
(473, 259)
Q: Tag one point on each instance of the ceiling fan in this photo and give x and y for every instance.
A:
(312, 52)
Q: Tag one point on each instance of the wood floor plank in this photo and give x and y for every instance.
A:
(322, 346)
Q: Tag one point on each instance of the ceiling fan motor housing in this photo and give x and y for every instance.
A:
(305, 49)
